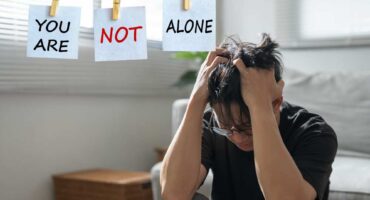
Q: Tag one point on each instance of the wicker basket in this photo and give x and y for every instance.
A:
(102, 184)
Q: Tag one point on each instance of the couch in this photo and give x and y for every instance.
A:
(343, 99)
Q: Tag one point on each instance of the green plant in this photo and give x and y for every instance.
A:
(189, 76)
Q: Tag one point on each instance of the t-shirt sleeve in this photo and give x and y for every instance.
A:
(314, 155)
(207, 150)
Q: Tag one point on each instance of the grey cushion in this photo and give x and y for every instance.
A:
(351, 174)
(342, 98)
(350, 179)
(338, 195)
(178, 111)
(156, 187)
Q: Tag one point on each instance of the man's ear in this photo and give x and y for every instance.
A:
(277, 103)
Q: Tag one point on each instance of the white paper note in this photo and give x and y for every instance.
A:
(191, 30)
(53, 37)
(122, 39)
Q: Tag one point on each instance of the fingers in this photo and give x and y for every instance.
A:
(218, 60)
(244, 69)
(277, 87)
(240, 65)
(212, 55)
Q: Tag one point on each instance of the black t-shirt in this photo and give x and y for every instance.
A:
(311, 142)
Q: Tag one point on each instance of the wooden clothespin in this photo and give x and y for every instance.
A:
(116, 8)
(53, 8)
(186, 4)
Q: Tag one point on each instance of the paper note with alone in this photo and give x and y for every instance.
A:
(122, 39)
(189, 30)
(53, 37)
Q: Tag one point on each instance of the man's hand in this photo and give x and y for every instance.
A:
(200, 90)
(277, 173)
(258, 85)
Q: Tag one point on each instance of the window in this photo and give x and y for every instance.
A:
(14, 18)
(318, 23)
(18, 73)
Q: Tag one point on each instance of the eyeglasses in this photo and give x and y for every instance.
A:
(226, 132)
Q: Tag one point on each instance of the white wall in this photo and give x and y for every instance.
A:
(41, 135)
(61, 115)
(248, 18)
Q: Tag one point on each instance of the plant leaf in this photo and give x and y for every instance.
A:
(187, 78)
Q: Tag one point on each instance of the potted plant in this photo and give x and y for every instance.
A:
(188, 77)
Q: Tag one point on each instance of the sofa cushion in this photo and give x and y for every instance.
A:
(342, 98)
(178, 111)
(338, 195)
(350, 178)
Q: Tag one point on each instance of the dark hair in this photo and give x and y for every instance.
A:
(224, 81)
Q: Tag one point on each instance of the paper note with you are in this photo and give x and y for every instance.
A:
(53, 37)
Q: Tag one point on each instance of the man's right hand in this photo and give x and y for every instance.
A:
(182, 171)
(200, 91)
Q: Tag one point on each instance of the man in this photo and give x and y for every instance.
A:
(257, 145)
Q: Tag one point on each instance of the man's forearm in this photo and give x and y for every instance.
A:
(181, 164)
(277, 173)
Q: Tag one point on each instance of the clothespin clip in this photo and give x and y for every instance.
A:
(186, 4)
(53, 8)
(116, 8)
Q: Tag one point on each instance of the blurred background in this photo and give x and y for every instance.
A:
(65, 115)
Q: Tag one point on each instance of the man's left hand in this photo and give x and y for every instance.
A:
(258, 86)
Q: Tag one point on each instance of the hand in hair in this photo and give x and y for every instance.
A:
(200, 90)
(258, 86)
(225, 81)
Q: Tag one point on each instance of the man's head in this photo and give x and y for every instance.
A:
(225, 92)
